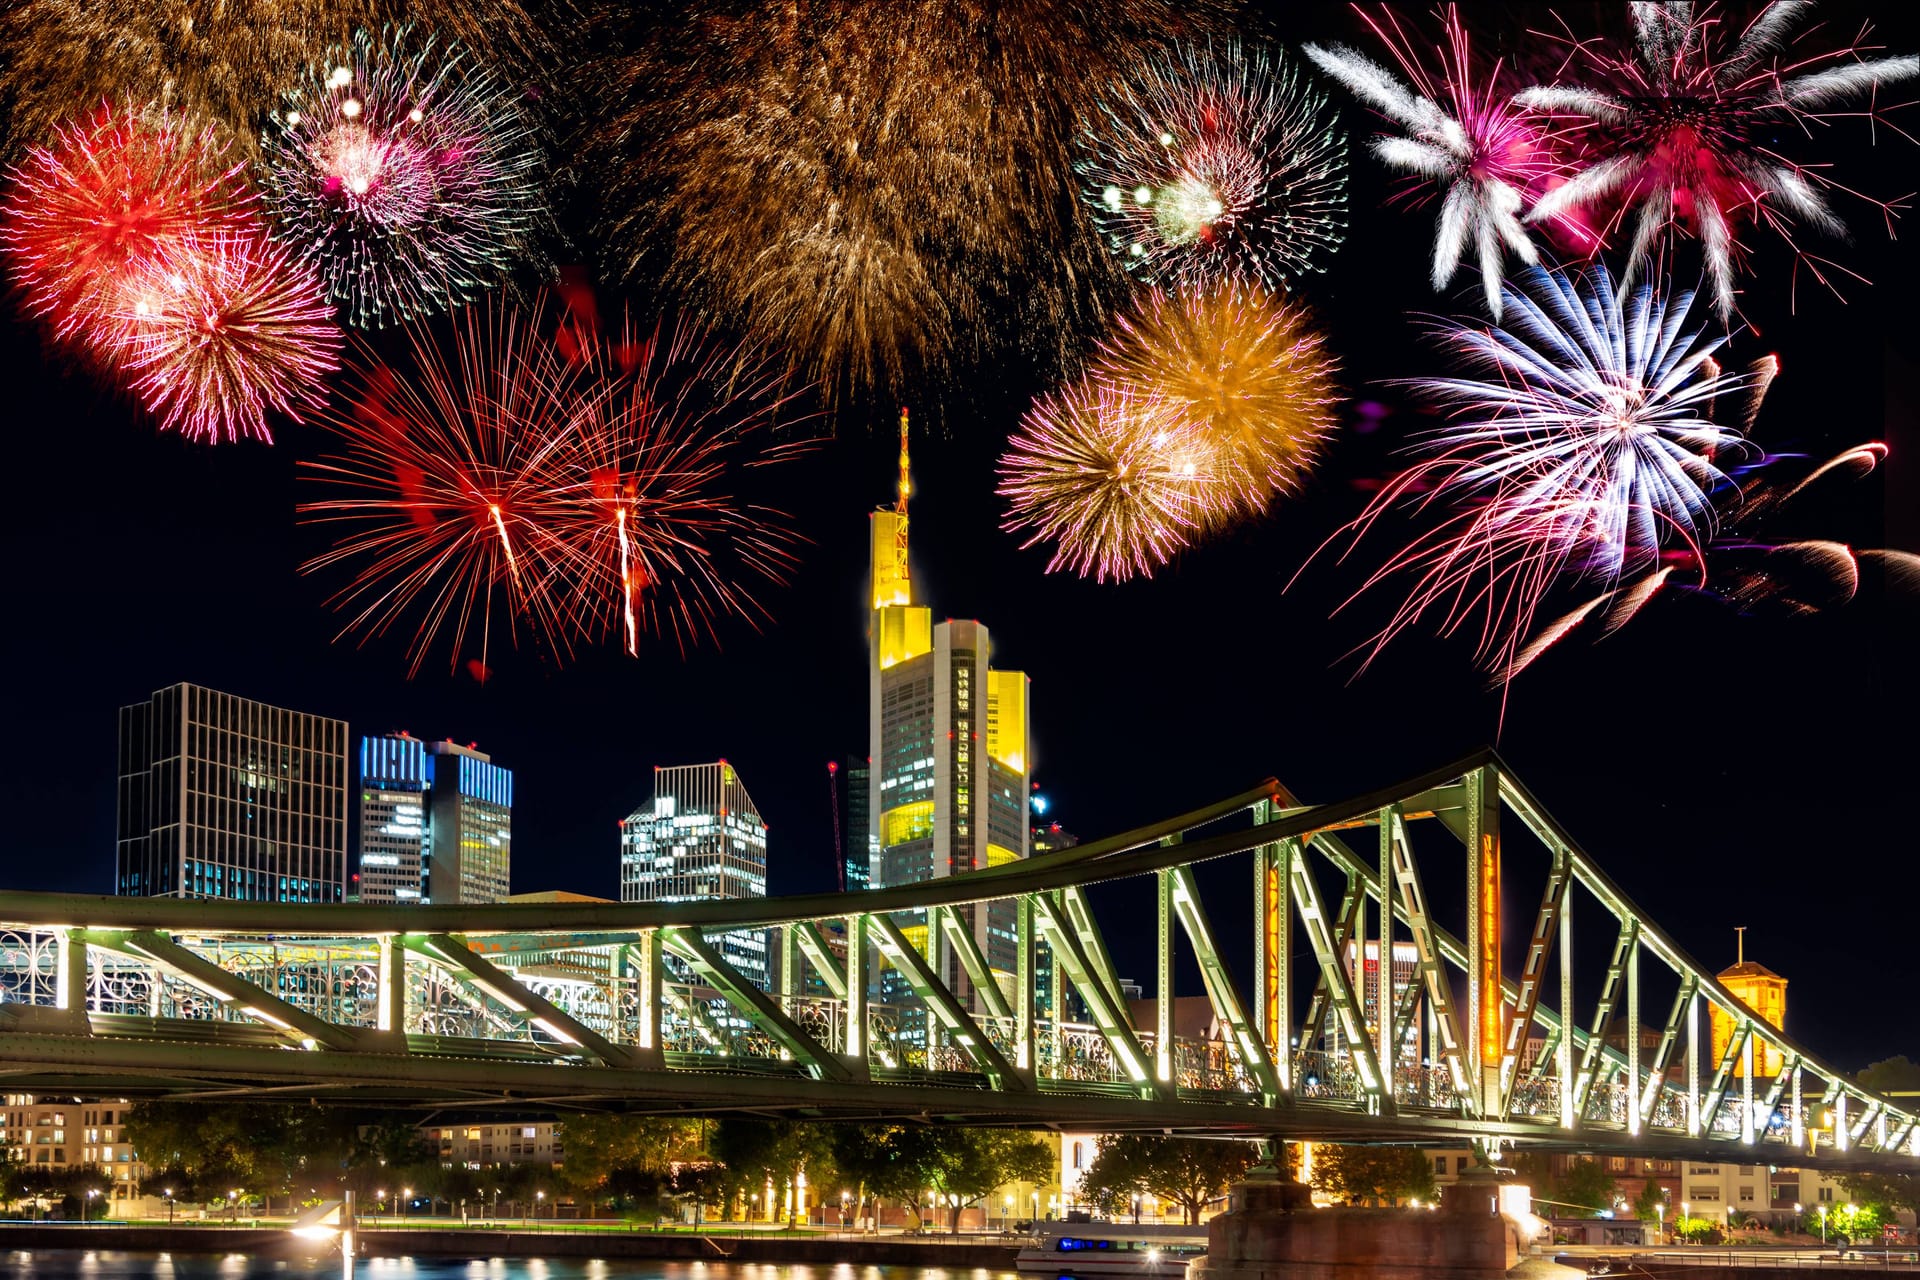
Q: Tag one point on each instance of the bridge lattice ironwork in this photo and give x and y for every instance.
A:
(634, 1007)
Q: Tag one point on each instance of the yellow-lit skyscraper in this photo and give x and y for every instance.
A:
(948, 743)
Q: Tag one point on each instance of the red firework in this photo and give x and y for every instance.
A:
(220, 331)
(95, 208)
(556, 484)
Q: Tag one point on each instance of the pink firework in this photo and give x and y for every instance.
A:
(1487, 155)
(220, 332)
(1681, 130)
(100, 204)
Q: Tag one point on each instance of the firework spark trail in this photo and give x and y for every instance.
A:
(410, 175)
(879, 189)
(216, 59)
(1682, 132)
(1211, 163)
(1486, 155)
(1246, 372)
(1581, 451)
(1117, 481)
(219, 332)
(87, 215)
(555, 479)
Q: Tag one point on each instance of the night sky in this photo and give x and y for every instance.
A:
(1727, 769)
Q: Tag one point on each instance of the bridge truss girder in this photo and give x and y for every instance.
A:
(559, 1007)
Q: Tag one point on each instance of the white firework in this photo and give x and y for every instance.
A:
(1483, 153)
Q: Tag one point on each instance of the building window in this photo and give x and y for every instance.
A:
(1077, 1155)
(1746, 1195)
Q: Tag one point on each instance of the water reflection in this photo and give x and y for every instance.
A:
(106, 1264)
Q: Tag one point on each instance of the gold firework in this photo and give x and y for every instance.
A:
(1243, 369)
(869, 186)
(225, 60)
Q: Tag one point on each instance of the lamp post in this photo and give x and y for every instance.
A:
(1006, 1213)
(167, 1195)
(1136, 1210)
(1660, 1213)
(233, 1208)
(406, 1198)
(91, 1193)
(539, 1201)
(1036, 1206)
(1823, 1224)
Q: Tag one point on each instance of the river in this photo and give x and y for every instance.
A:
(109, 1264)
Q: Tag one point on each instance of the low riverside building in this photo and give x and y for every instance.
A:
(483, 1146)
(50, 1135)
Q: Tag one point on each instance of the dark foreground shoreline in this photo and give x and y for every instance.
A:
(384, 1243)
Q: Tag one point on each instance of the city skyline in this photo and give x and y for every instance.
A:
(1712, 758)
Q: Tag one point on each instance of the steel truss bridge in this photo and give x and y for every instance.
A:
(559, 1007)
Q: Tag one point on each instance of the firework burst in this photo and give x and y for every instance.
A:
(1683, 137)
(1116, 481)
(1212, 163)
(410, 175)
(215, 58)
(1585, 446)
(536, 480)
(220, 332)
(89, 214)
(1462, 135)
(876, 188)
(1245, 372)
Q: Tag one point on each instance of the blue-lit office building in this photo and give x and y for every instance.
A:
(393, 818)
(223, 797)
(436, 822)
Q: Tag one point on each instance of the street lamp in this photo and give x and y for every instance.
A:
(406, 1198)
(1006, 1213)
(1136, 1210)
(1036, 1206)
(1823, 1224)
(1660, 1213)
(539, 1199)
(91, 1193)
(167, 1195)
(233, 1207)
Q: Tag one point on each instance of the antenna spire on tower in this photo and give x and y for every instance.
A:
(1740, 944)
(906, 476)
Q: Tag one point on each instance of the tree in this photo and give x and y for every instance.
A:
(1189, 1172)
(1651, 1204)
(1895, 1190)
(1584, 1184)
(1372, 1175)
(759, 1153)
(886, 1161)
(969, 1164)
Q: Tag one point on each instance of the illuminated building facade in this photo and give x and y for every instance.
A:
(60, 1134)
(1761, 990)
(469, 850)
(393, 818)
(223, 797)
(948, 735)
(700, 836)
(1365, 975)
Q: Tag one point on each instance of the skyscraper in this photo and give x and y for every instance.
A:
(469, 852)
(700, 836)
(852, 796)
(393, 818)
(948, 736)
(224, 797)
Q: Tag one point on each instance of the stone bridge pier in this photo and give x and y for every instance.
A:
(1272, 1232)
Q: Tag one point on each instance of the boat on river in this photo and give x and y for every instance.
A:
(1076, 1249)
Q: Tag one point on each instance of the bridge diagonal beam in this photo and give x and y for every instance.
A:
(1533, 971)
(1723, 1074)
(158, 949)
(1314, 1026)
(905, 957)
(1413, 908)
(1219, 984)
(1079, 915)
(1109, 1014)
(1327, 953)
(967, 948)
(1663, 1055)
(1603, 1012)
(453, 951)
(753, 1003)
(813, 945)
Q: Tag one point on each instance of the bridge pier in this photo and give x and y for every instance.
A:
(1271, 1231)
